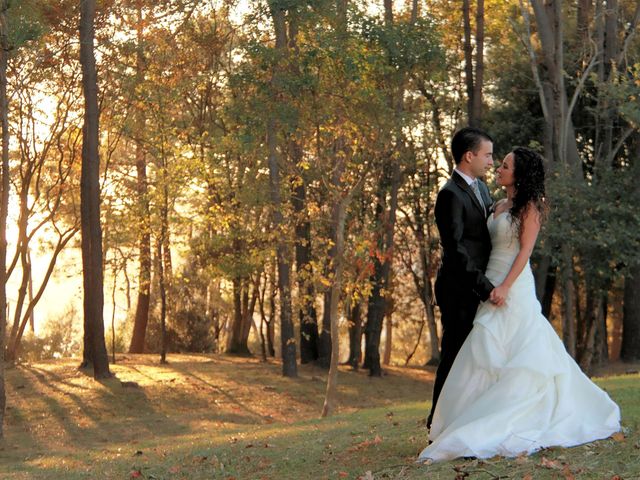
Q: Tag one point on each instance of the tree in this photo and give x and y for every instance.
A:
(4, 201)
(144, 238)
(289, 367)
(474, 81)
(95, 351)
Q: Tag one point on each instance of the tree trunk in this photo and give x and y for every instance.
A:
(601, 353)
(388, 339)
(568, 304)
(248, 309)
(144, 239)
(391, 177)
(545, 277)
(434, 344)
(263, 317)
(561, 141)
(95, 351)
(324, 339)
(468, 60)
(287, 336)
(22, 248)
(381, 276)
(4, 202)
(236, 344)
(21, 321)
(478, 81)
(584, 17)
(589, 350)
(630, 350)
(163, 300)
(355, 334)
(271, 325)
(336, 290)
(306, 291)
(424, 286)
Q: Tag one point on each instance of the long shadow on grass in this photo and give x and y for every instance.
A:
(251, 415)
(135, 413)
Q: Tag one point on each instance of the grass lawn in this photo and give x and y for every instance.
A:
(218, 417)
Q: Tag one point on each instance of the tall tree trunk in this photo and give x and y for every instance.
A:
(388, 339)
(4, 202)
(545, 278)
(32, 316)
(568, 304)
(235, 345)
(478, 81)
(271, 325)
(95, 351)
(22, 248)
(336, 290)
(386, 224)
(324, 339)
(561, 141)
(468, 59)
(287, 336)
(355, 333)
(594, 331)
(306, 291)
(423, 281)
(382, 270)
(584, 17)
(163, 298)
(144, 237)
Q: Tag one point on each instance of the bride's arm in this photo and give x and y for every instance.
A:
(530, 229)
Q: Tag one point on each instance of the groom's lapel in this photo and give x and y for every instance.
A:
(465, 186)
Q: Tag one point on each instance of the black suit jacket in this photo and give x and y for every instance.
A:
(465, 241)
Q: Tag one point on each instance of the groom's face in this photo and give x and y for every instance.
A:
(480, 161)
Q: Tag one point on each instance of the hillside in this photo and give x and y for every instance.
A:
(233, 418)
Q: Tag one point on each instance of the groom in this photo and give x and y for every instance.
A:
(462, 208)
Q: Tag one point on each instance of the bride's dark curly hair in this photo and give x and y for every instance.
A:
(528, 174)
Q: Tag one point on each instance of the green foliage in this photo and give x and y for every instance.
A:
(599, 220)
(26, 21)
(407, 46)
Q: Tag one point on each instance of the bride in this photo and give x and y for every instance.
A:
(513, 388)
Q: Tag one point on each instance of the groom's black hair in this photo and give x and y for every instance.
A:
(467, 139)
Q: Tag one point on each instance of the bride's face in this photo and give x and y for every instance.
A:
(504, 174)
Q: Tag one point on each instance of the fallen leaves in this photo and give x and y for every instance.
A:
(551, 464)
(365, 444)
(618, 437)
(568, 475)
(367, 476)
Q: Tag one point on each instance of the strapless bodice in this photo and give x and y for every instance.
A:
(505, 246)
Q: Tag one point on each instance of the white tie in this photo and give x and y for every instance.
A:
(476, 190)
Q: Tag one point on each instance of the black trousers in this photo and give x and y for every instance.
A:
(456, 314)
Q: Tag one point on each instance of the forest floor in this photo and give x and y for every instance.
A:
(219, 417)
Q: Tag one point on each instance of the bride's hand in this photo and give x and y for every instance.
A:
(499, 295)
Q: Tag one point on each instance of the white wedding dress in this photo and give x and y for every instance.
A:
(513, 388)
